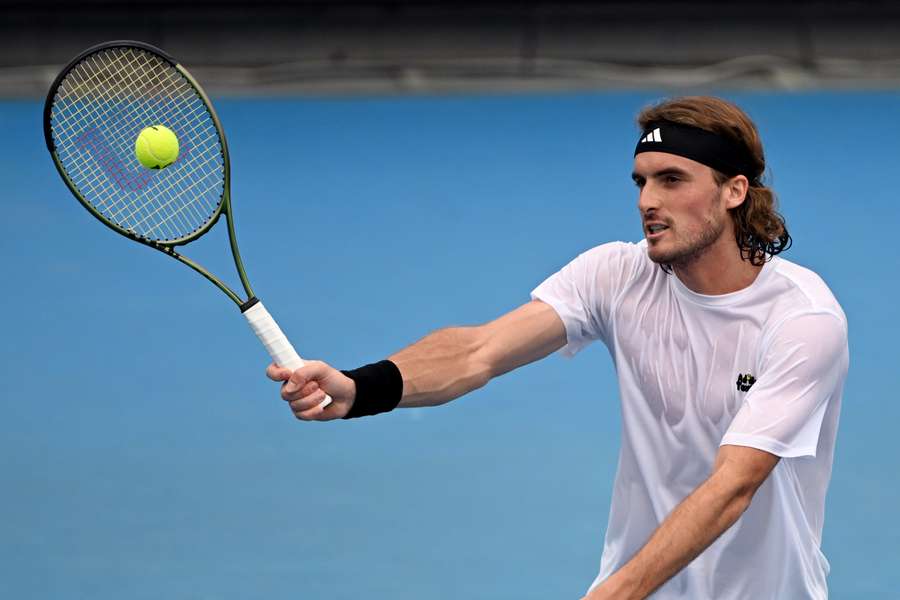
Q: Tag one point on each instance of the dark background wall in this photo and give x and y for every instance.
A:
(274, 47)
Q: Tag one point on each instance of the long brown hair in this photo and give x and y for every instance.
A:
(759, 229)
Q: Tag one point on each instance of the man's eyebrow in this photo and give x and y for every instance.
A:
(661, 173)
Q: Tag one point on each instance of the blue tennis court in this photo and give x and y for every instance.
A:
(145, 455)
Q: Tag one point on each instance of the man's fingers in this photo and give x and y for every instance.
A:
(276, 373)
(290, 393)
(308, 408)
(313, 370)
(309, 388)
(302, 389)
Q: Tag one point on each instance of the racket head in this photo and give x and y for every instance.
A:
(94, 111)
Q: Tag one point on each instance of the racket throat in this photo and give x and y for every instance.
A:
(235, 253)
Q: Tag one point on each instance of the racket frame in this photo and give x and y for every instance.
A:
(259, 319)
(169, 246)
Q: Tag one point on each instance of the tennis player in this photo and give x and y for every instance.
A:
(731, 363)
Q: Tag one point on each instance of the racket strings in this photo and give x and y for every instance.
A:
(154, 88)
(123, 212)
(153, 84)
(100, 108)
(113, 206)
(94, 75)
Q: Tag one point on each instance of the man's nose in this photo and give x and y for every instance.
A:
(648, 199)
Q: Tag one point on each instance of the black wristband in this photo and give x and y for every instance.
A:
(379, 389)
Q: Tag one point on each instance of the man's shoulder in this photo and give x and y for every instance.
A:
(616, 261)
(805, 288)
(631, 252)
(619, 247)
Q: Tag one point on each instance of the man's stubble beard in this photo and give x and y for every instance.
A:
(695, 247)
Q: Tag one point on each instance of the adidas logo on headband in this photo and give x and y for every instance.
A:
(653, 136)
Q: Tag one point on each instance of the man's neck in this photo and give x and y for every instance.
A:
(719, 270)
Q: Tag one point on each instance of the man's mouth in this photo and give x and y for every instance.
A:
(655, 229)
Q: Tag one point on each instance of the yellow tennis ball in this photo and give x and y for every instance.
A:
(156, 147)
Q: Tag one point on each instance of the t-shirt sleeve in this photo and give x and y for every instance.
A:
(584, 291)
(802, 369)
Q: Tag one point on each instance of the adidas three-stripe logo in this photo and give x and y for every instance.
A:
(653, 136)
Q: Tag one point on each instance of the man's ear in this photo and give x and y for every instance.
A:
(734, 191)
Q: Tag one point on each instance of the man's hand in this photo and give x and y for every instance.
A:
(305, 388)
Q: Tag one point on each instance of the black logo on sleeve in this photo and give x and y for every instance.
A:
(745, 381)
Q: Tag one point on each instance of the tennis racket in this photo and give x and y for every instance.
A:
(95, 110)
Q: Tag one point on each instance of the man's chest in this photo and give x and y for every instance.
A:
(686, 362)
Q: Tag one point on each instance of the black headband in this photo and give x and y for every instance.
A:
(711, 149)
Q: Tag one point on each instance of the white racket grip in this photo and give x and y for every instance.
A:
(276, 343)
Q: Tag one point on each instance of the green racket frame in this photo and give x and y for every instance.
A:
(167, 247)
(259, 319)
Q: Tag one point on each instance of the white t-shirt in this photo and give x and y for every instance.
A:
(762, 367)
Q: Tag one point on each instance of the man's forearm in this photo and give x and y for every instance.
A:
(688, 530)
(442, 366)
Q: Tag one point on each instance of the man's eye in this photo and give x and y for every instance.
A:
(672, 179)
(639, 183)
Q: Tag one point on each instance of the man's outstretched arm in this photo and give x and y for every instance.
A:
(449, 363)
(694, 524)
(438, 368)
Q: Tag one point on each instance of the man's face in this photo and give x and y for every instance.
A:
(682, 208)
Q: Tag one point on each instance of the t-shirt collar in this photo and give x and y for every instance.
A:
(723, 299)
